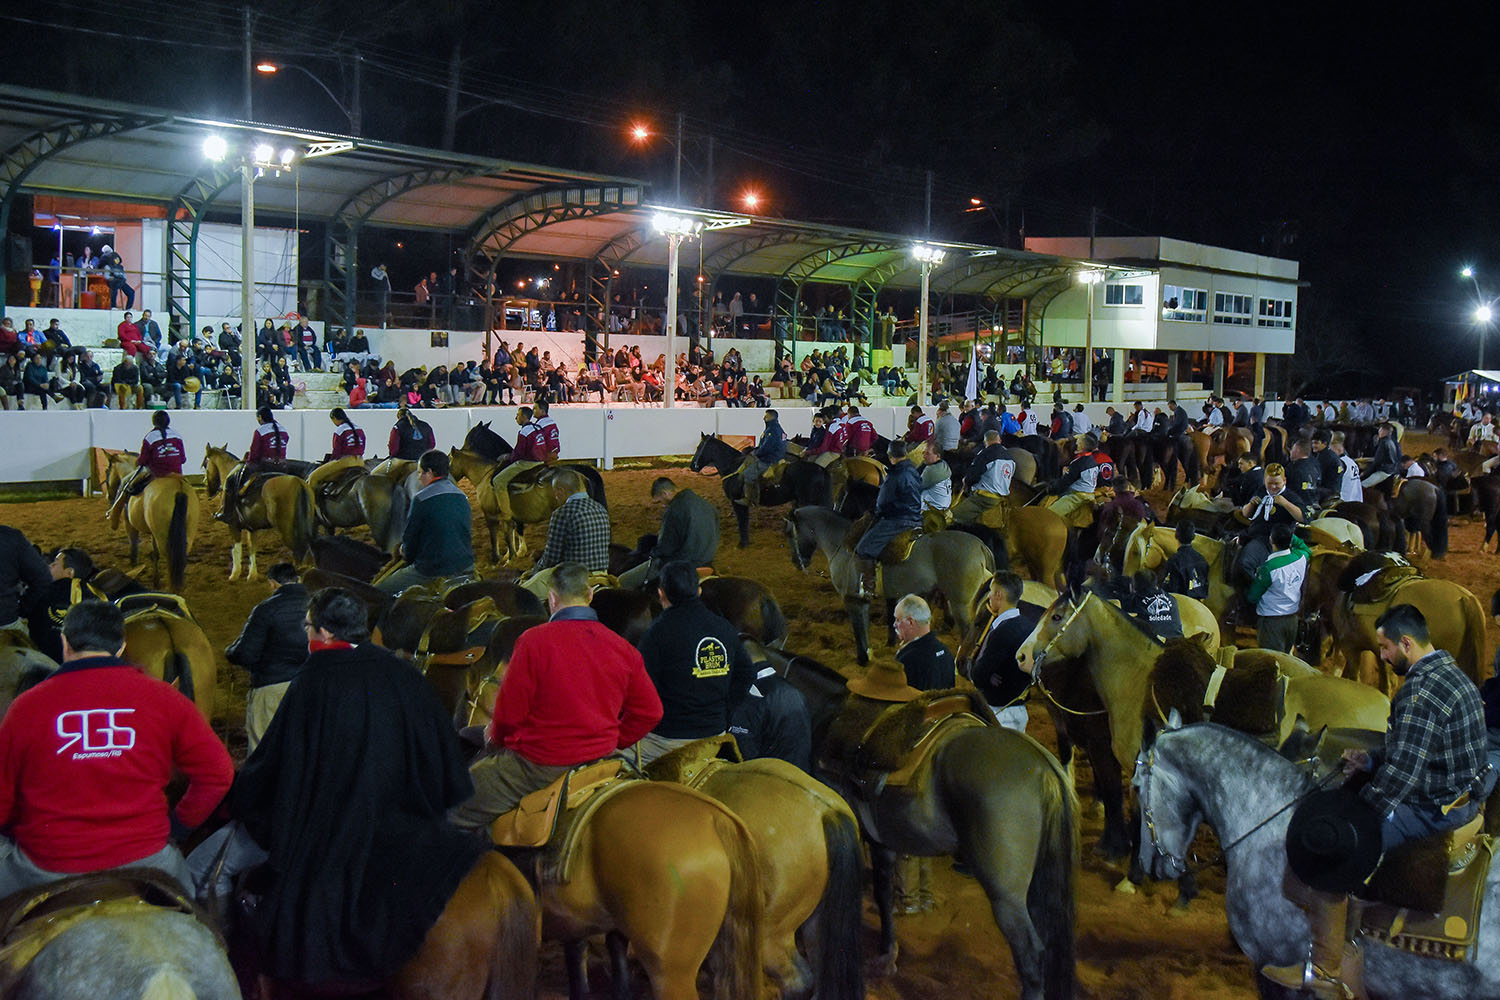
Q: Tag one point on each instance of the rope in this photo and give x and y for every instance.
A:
(1070, 711)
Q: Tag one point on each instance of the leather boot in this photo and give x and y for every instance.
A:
(1321, 975)
(867, 579)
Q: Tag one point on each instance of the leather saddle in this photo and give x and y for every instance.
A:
(339, 486)
(550, 819)
(890, 750)
(693, 764)
(134, 606)
(1426, 896)
(458, 638)
(31, 920)
(895, 551)
(864, 470)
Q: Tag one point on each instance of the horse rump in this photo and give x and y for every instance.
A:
(736, 952)
(1050, 899)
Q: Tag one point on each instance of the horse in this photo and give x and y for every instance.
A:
(1455, 619)
(283, 503)
(952, 563)
(166, 511)
(523, 503)
(348, 557)
(1167, 453)
(22, 667)
(802, 483)
(1150, 545)
(1381, 531)
(1423, 509)
(369, 500)
(807, 840)
(994, 798)
(1210, 516)
(1242, 789)
(165, 641)
(483, 440)
(675, 873)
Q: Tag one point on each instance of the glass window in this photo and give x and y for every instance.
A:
(1124, 295)
(1275, 313)
(1231, 309)
(1181, 303)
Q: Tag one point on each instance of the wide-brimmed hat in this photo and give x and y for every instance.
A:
(884, 682)
(1333, 841)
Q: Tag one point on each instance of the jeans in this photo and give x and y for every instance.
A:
(310, 351)
(119, 287)
(17, 871)
(1411, 821)
(239, 851)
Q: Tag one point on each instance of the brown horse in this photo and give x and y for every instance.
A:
(370, 500)
(283, 503)
(526, 502)
(164, 640)
(1455, 620)
(807, 840)
(1223, 443)
(675, 873)
(166, 511)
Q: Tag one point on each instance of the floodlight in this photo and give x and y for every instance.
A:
(1483, 314)
(287, 156)
(215, 148)
(1090, 277)
(268, 68)
(263, 153)
(928, 254)
(671, 224)
(1467, 272)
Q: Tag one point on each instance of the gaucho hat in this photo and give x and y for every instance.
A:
(1333, 841)
(884, 682)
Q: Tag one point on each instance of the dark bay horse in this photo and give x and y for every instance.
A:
(802, 484)
(370, 500)
(994, 798)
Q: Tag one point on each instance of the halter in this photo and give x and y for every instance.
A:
(1040, 655)
(1177, 866)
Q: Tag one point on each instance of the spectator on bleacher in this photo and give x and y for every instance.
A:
(266, 347)
(590, 379)
(359, 392)
(150, 330)
(229, 340)
(30, 337)
(126, 382)
(129, 335)
(10, 342)
(433, 387)
(92, 377)
(153, 374)
(284, 388)
(68, 382)
(55, 336)
(114, 274)
(305, 339)
(10, 382)
(387, 384)
(183, 377)
(35, 379)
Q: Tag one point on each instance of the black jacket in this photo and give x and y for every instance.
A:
(773, 721)
(21, 569)
(1303, 477)
(689, 531)
(700, 669)
(1186, 572)
(994, 669)
(1178, 424)
(928, 664)
(1156, 612)
(273, 645)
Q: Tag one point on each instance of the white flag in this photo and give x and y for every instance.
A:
(971, 388)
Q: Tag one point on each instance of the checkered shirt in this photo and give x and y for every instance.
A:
(578, 532)
(1435, 743)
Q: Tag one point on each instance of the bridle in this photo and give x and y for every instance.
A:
(793, 536)
(1039, 657)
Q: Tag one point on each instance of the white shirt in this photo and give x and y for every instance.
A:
(1350, 488)
(1081, 422)
(996, 477)
(1215, 417)
(1144, 421)
(1028, 422)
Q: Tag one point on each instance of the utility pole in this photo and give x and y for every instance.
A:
(708, 180)
(929, 203)
(249, 33)
(355, 112)
(677, 172)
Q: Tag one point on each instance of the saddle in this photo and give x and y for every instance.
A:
(340, 485)
(695, 763)
(933, 521)
(550, 819)
(33, 919)
(135, 606)
(468, 627)
(1376, 577)
(895, 551)
(890, 750)
(1426, 896)
(995, 517)
(864, 470)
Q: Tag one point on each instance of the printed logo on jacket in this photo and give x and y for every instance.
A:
(98, 732)
(711, 658)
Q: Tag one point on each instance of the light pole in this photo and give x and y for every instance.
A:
(1089, 279)
(1482, 317)
(928, 256)
(353, 112)
(253, 163)
(676, 228)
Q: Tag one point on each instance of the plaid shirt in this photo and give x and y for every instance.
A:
(1435, 742)
(578, 532)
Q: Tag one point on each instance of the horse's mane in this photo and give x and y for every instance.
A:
(1232, 752)
(1179, 678)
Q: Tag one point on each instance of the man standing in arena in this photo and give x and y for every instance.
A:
(272, 647)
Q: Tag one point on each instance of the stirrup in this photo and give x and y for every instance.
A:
(1309, 979)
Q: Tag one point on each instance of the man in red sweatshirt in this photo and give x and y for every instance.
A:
(574, 693)
(85, 758)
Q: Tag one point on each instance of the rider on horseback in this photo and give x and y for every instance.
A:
(527, 454)
(162, 454)
(411, 438)
(898, 508)
(987, 480)
(1430, 776)
(1075, 487)
(770, 450)
(348, 450)
(267, 453)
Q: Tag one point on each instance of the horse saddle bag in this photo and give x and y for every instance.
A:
(545, 818)
(692, 764)
(31, 920)
(1426, 896)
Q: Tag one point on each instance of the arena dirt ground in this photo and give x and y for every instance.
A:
(1129, 946)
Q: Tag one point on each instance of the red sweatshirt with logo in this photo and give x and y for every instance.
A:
(85, 757)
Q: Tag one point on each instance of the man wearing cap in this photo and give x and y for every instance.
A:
(1430, 775)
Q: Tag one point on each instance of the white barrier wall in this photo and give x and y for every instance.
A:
(54, 446)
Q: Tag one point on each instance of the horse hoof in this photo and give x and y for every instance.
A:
(1178, 909)
(882, 966)
(1125, 887)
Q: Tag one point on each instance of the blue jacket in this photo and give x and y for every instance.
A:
(438, 539)
(772, 447)
(900, 496)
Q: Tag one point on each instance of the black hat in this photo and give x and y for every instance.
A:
(1333, 841)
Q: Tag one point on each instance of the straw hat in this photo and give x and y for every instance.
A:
(884, 683)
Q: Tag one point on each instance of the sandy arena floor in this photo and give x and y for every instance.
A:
(1128, 945)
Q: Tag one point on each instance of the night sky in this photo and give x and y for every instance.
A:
(1364, 147)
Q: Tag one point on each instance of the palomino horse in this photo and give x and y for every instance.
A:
(283, 503)
(803, 483)
(952, 563)
(676, 874)
(1121, 660)
(166, 512)
(1212, 516)
(527, 500)
(1223, 443)
(1243, 790)
(812, 866)
(1455, 620)
(164, 640)
(992, 797)
(1151, 545)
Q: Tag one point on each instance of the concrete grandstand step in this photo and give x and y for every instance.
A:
(320, 399)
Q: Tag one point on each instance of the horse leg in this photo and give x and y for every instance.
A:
(742, 518)
(619, 963)
(883, 875)
(1110, 790)
(575, 956)
(859, 624)
(234, 560)
(1005, 884)
(492, 524)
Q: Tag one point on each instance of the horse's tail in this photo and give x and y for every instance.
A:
(1050, 897)
(177, 542)
(595, 486)
(1471, 652)
(304, 524)
(513, 965)
(773, 626)
(167, 983)
(736, 954)
(840, 974)
(1438, 543)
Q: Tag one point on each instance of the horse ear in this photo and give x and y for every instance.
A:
(1174, 720)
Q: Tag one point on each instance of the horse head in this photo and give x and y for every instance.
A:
(798, 540)
(1170, 814)
(700, 454)
(212, 474)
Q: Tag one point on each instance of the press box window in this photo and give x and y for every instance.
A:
(1275, 312)
(1124, 295)
(1190, 304)
(1232, 310)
